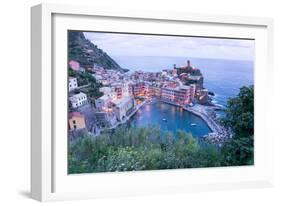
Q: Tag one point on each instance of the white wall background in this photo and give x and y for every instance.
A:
(15, 95)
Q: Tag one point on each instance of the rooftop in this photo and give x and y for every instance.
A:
(177, 88)
(194, 77)
(75, 114)
(184, 87)
(105, 89)
(105, 97)
(122, 101)
(79, 95)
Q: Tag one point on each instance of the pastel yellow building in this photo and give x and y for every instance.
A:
(76, 121)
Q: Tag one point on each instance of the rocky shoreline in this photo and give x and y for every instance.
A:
(219, 134)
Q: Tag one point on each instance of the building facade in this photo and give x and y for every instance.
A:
(76, 121)
(78, 100)
(72, 83)
(139, 89)
(104, 102)
(121, 89)
(180, 95)
(122, 107)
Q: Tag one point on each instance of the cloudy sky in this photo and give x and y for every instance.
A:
(152, 45)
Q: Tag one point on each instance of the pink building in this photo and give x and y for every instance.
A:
(180, 95)
(74, 65)
(140, 89)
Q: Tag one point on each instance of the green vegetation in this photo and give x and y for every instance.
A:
(240, 119)
(86, 53)
(85, 78)
(132, 149)
(146, 148)
(93, 92)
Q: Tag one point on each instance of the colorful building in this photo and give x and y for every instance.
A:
(155, 91)
(121, 89)
(74, 65)
(139, 89)
(180, 95)
(76, 121)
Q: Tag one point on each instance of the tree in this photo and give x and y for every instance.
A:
(239, 114)
(239, 119)
(93, 91)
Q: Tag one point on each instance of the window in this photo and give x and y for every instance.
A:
(74, 122)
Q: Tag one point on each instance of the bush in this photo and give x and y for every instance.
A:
(132, 149)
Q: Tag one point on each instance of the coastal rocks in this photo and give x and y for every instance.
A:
(211, 93)
(219, 134)
(217, 138)
(204, 99)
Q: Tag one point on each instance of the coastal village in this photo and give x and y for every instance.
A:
(123, 93)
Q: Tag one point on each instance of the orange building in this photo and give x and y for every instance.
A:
(140, 89)
(76, 121)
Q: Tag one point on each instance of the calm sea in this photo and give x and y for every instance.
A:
(223, 77)
(169, 118)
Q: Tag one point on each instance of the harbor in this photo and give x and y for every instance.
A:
(215, 133)
(170, 118)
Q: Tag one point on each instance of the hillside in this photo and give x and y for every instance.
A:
(86, 53)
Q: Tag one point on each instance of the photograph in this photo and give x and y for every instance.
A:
(139, 102)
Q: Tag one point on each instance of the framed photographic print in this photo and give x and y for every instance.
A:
(136, 102)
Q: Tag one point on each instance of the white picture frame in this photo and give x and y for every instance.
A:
(49, 179)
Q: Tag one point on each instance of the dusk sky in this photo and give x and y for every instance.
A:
(152, 45)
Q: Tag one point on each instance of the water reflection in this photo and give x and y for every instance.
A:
(170, 118)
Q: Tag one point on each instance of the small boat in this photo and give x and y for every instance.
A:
(193, 124)
(164, 119)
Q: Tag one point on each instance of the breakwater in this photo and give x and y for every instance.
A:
(218, 134)
(201, 111)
